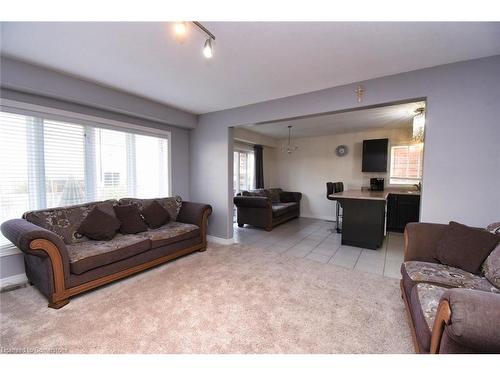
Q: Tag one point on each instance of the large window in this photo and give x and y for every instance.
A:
(47, 163)
(406, 164)
(244, 167)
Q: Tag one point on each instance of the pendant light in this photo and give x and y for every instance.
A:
(289, 148)
(419, 125)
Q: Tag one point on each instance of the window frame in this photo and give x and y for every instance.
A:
(48, 113)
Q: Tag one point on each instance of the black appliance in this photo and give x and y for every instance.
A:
(375, 155)
(377, 184)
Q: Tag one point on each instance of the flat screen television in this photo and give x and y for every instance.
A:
(375, 155)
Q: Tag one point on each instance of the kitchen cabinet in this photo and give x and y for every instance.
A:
(401, 210)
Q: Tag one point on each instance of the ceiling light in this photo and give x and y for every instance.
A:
(208, 50)
(180, 28)
(289, 148)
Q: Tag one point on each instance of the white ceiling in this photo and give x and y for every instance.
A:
(253, 62)
(394, 116)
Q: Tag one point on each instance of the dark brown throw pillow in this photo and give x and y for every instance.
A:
(155, 215)
(99, 225)
(130, 218)
(465, 247)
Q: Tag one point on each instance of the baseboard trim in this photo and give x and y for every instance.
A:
(13, 281)
(220, 240)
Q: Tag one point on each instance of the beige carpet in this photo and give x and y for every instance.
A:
(229, 299)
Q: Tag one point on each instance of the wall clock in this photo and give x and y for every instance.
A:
(341, 150)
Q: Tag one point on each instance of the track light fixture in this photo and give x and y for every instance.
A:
(208, 48)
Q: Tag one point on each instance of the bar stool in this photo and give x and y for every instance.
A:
(331, 188)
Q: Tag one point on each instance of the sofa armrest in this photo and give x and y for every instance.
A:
(194, 213)
(471, 319)
(421, 240)
(34, 240)
(290, 196)
(254, 202)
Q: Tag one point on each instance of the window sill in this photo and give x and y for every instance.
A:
(7, 250)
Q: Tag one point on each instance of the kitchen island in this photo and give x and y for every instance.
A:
(364, 215)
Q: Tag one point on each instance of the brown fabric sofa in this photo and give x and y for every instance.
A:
(450, 310)
(61, 264)
(267, 208)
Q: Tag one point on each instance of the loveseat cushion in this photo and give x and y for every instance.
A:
(171, 232)
(64, 221)
(443, 275)
(465, 247)
(280, 209)
(88, 255)
(428, 298)
(491, 267)
(171, 204)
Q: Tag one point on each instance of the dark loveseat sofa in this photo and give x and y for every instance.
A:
(450, 310)
(61, 263)
(267, 208)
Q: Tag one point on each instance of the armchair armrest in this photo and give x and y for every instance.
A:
(421, 240)
(290, 196)
(192, 213)
(254, 202)
(37, 241)
(470, 319)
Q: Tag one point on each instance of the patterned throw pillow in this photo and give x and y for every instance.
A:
(491, 267)
(494, 228)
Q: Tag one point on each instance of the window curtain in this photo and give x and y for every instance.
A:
(259, 166)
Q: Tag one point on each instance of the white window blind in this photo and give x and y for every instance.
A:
(47, 163)
(406, 164)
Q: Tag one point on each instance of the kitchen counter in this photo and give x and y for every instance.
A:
(364, 214)
(373, 195)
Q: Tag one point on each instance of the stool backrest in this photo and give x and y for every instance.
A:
(338, 187)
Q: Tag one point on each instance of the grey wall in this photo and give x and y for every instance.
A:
(24, 77)
(462, 160)
(32, 84)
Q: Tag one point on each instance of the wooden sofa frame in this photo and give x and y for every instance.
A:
(61, 294)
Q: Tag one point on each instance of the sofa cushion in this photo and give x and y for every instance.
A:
(255, 193)
(88, 255)
(440, 274)
(465, 247)
(155, 214)
(99, 225)
(274, 194)
(170, 233)
(491, 267)
(280, 209)
(64, 221)
(130, 219)
(429, 296)
(171, 204)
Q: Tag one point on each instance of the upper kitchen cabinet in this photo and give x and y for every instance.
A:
(375, 155)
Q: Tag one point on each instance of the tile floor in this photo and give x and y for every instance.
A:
(311, 239)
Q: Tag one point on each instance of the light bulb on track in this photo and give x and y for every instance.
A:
(208, 50)
(180, 28)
